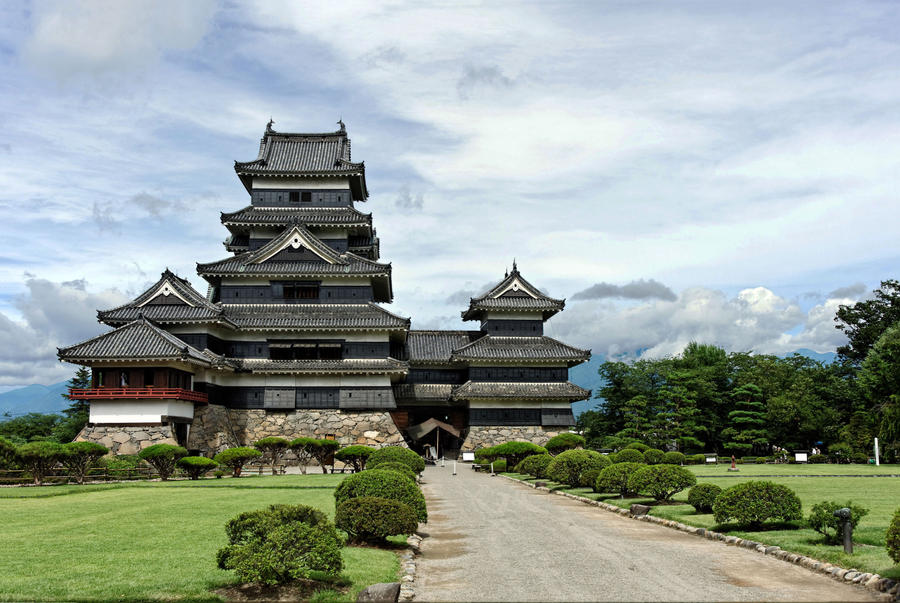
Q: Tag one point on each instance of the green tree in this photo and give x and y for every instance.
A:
(79, 456)
(39, 457)
(33, 426)
(81, 380)
(746, 432)
(163, 458)
(879, 376)
(273, 448)
(865, 321)
(636, 422)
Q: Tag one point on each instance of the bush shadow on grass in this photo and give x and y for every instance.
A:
(774, 526)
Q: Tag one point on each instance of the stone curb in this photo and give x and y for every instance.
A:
(873, 582)
(408, 567)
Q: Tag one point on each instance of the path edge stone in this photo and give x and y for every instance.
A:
(887, 587)
(409, 567)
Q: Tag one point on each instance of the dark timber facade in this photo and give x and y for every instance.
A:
(291, 338)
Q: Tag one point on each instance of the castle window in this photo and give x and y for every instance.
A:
(307, 197)
(295, 197)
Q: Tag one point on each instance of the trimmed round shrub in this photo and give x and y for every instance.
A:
(637, 446)
(695, 459)
(281, 544)
(534, 465)
(762, 460)
(273, 448)
(628, 455)
(163, 458)
(383, 484)
(235, 458)
(355, 455)
(893, 538)
(566, 467)
(702, 496)
(513, 452)
(564, 441)
(372, 519)
(752, 503)
(822, 520)
(195, 466)
(661, 481)
(39, 457)
(653, 456)
(399, 468)
(79, 456)
(499, 465)
(615, 478)
(588, 478)
(860, 458)
(673, 458)
(817, 459)
(486, 454)
(397, 454)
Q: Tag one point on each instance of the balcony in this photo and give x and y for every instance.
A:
(138, 393)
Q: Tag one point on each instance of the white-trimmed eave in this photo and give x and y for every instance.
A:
(166, 289)
(297, 238)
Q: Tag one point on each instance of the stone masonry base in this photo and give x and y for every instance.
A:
(126, 440)
(482, 436)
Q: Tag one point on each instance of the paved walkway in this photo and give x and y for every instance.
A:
(491, 539)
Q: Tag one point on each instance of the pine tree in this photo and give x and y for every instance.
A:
(748, 421)
(81, 380)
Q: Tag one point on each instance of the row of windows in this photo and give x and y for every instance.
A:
(299, 197)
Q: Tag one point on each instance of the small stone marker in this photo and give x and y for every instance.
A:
(639, 510)
(383, 592)
(733, 465)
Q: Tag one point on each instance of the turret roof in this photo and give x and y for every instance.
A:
(298, 154)
(345, 366)
(314, 317)
(169, 300)
(138, 340)
(482, 389)
(437, 346)
(310, 216)
(525, 349)
(513, 294)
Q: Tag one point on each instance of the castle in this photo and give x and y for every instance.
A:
(291, 340)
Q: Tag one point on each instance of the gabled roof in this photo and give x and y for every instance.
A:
(170, 300)
(310, 216)
(296, 154)
(362, 366)
(561, 390)
(138, 340)
(513, 294)
(524, 349)
(295, 237)
(315, 317)
(437, 346)
(438, 392)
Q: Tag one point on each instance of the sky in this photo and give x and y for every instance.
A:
(714, 171)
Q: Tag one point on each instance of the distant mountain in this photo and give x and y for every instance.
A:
(823, 357)
(585, 375)
(34, 398)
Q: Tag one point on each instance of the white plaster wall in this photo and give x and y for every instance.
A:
(266, 182)
(138, 411)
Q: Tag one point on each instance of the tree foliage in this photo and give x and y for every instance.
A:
(236, 457)
(163, 458)
(272, 448)
(195, 466)
(39, 457)
(865, 321)
(355, 455)
(78, 457)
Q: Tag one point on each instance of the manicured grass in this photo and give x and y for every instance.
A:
(798, 469)
(880, 495)
(150, 540)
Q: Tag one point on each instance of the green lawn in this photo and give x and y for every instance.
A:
(148, 540)
(787, 469)
(880, 495)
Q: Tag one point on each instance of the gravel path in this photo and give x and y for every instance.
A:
(490, 539)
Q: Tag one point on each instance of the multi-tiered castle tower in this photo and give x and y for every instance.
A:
(290, 339)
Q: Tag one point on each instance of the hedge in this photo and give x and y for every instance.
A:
(615, 478)
(163, 458)
(702, 496)
(281, 544)
(817, 459)
(752, 503)
(383, 484)
(399, 468)
(822, 520)
(628, 455)
(236, 457)
(534, 465)
(893, 537)
(566, 467)
(564, 441)
(673, 458)
(653, 456)
(195, 466)
(372, 519)
(355, 455)
(396, 454)
(661, 481)
(513, 452)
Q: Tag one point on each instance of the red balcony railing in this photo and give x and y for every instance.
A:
(138, 393)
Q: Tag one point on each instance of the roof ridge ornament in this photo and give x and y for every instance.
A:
(340, 122)
(269, 125)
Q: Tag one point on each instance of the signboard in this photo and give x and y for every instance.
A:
(801, 457)
(468, 457)
(711, 458)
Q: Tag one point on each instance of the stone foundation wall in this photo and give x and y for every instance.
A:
(481, 436)
(216, 427)
(127, 440)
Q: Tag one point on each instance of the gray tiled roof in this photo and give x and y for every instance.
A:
(345, 366)
(437, 346)
(282, 153)
(483, 389)
(310, 216)
(501, 298)
(199, 310)
(316, 317)
(528, 349)
(248, 263)
(138, 340)
(423, 391)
